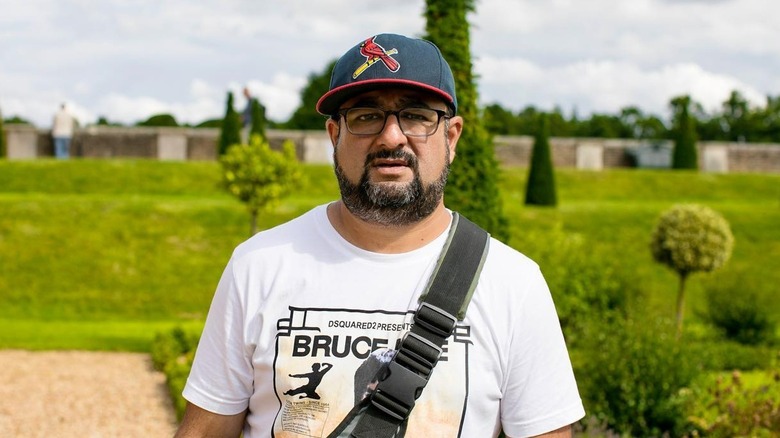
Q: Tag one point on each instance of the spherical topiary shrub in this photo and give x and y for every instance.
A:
(690, 238)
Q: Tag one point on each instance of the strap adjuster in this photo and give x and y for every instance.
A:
(395, 395)
(436, 320)
(418, 354)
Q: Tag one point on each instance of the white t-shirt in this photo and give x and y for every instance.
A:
(63, 124)
(299, 309)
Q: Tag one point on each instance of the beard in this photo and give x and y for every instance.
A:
(391, 203)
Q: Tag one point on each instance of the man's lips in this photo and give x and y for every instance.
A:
(390, 166)
(388, 162)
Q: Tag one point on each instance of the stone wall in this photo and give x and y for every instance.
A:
(26, 142)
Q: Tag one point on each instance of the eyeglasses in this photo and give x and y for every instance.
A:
(414, 122)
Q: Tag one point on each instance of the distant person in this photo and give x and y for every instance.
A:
(62, 132)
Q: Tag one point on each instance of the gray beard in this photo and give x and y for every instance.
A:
(391, 204)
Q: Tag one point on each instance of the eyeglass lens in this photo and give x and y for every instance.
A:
(413, 121)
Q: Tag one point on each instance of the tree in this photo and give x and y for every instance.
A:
(498, 120)
(769, 120)
(16, 120)
(259, 176)
(528, 121)
(159, 120)
(602, 126)
(230, 132)
(685, 154)
(736, 115)
(210, 123)
(103, 121)
(258, 119)
(473, 183)
(306, 116)
(540, 188)
(559, 126)
(690, 238)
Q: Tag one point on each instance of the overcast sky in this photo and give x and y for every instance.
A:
(129, 59)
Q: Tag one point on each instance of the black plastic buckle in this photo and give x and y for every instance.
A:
(395, 395)
(436, 320)
(418, 354)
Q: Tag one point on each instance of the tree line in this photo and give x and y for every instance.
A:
(736, 121)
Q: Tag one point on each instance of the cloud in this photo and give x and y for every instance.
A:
(281, 96)
(129, 60)
(604, 86)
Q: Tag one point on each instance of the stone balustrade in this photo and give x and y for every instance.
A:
(27, 142)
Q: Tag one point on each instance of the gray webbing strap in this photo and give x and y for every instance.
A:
(444, 303)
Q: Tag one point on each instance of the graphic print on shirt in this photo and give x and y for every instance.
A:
(315, 377)
(327, 361)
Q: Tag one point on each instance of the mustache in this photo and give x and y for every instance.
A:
(392, 154)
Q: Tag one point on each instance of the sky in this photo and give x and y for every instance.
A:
(126, 60)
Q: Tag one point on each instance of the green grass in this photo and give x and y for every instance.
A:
(130, 246)
(108, 335)
(103, 254)
(615, 211)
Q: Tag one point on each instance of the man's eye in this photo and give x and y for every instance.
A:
(368, 117)
(416, 116)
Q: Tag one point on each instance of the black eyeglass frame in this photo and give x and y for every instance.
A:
(441, 114)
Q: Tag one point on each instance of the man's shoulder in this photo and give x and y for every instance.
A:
(295, 231)
(504, 251)
(503, 259)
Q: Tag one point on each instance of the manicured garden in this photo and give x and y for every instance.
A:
(111, 255)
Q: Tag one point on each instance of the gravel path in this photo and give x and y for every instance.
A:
(67, 394)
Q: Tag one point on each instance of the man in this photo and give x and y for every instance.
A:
(62, 132)
(340, 283)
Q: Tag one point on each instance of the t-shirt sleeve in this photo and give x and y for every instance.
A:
(221, 379)
(540, 393)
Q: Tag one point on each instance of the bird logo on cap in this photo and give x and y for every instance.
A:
(373, 53)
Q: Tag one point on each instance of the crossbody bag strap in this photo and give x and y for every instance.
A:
(443, 304)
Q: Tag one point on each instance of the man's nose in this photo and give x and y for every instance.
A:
(392, 133)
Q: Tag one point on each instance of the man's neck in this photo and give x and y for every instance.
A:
(388, 239)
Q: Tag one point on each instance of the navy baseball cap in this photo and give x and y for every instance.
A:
(389, 60)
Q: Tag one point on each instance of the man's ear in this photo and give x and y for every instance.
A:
(333, 128)
(453, 134)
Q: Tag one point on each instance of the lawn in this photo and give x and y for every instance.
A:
(104, 254)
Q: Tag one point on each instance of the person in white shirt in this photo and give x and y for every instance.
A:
(304, 311)
(62, 132)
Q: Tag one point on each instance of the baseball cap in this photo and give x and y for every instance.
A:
(389, 60)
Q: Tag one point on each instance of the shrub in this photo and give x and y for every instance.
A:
(690, 238)
(259, 176)
(540, 188)
(730, 355)
(473, 184)
(176, 373)
(631, 375)
(167, 347)
(684, 155)
(257, 126)
(739, 310)
(230, 131)
(738, 405)
(584, 284)
(172, 353)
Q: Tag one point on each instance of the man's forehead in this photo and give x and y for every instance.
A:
(395, 97)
